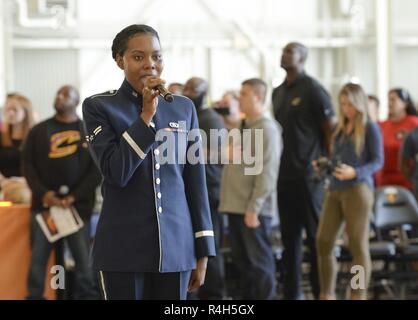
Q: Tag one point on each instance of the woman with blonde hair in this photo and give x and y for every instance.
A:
(18, 119)
(357, 153)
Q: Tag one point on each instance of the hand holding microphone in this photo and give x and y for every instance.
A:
(153, 87)
(164, 93)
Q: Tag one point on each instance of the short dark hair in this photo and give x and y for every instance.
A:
(260, 87)
(404, 95)
(120, 43)
(374, 98)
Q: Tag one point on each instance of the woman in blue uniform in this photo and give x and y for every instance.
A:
(155, 234)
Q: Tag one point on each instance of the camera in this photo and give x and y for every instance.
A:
(221, 108)
(224, 111)
(326, 167)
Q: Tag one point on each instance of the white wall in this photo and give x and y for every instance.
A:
(221, 40)
(2, 57)
(98, 72)
(40, 73)
(405, 70)
(405, 58)
(187, 28)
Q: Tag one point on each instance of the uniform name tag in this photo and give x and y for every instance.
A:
(175, 130)
(175, 127)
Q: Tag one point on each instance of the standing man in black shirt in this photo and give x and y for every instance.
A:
(197, 89)
(60, 172)
(304, 110)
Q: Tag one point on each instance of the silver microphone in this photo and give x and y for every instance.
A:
(164, 93)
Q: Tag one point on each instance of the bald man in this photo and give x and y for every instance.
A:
(196, 89)
(304, 110)
(61, 173)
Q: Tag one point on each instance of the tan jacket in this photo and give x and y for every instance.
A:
(242, 190)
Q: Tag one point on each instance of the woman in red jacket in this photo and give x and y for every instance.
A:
(402, 120)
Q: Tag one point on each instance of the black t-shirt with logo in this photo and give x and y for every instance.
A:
(63, 156)
(301, 108)
(55, 156)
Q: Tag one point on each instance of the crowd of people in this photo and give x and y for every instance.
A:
(199, 206)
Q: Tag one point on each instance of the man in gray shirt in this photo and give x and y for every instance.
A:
(248, 193)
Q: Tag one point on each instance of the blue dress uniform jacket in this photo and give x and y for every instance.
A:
(155, 217)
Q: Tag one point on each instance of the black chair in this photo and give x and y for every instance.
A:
(396, 213)
(395, 207)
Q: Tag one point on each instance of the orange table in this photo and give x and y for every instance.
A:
(15, 254)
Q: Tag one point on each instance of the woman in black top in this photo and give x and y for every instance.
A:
(18, 120)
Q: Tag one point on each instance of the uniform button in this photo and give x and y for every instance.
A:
(157, 181)
(159, 195)
(156, 152)
(160, 209)
(157, 166)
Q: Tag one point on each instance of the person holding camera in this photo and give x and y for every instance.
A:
(357, 151)
(228, 108)
(196, 89)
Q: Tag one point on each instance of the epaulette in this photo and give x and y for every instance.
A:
(105, 94)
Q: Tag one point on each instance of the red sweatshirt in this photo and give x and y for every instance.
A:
(394, 134)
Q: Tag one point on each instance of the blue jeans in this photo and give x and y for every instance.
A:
(252, 255)
(41, 250)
